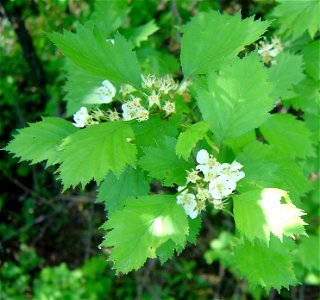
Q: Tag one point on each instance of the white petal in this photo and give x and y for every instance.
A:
(193, 214)
(235, 166)
(202, 156)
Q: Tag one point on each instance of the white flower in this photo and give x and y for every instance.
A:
(113, 115)
(142, 114)
(188, 202)
(218, 203)
(232, 171)
(154, 99)
(202, 157)
(193, 176)
(126, 89)
(149, 81)
(81, 117)
(209, 174)
(202, 194)
(106, 92)
(129, 111)
(169, 108)
(221, 187)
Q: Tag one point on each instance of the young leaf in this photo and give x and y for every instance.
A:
(190, 137)
(114, 190)
(269, 267)
(211, 39)
(237, 100)
(297, 17)
(285, 74)
(141, 227)
(40, 140)
(94, 151)
(260, 212)
(288, 135)
(162, 162)
(93, 53)
(142, 32)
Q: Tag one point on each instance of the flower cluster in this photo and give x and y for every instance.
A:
(269, 50)
(211, 182)
(157, 96)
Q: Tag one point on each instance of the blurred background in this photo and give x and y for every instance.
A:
(49, 240)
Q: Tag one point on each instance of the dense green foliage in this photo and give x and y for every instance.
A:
(141, 121)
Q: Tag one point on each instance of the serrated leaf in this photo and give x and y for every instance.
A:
(260, 212)
(114, 190)
(94, 151)
(190, 137)
(166, 251)
(234, 102)
(309, 249)
(311, 57)
(141, 33)
(116, 12)
(81, 88)
(287, 73)
(266, 167)
(204, 45)
(40, 140)
(194, 229)
(91, 52)
(141, 227)
(162, 162)
(288, 135)
(269, 267)
(147, 133)
(297, 17)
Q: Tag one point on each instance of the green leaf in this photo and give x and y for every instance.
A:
(116, 12)
(285, 74)
(142, 32)
(166, 251)
(211, 39)
(297, 17)
(114, 190)
(91, 52)
(265, 167)
(188, 139)
(269, 267)
(194, 229)
(141, 227)
(309, 249)
(258, 213)
(311, 57)
(288, 135)
(307, 98)
(81, 88)
(94, 151)
(162, 162)
(234, 102)
(40, 140)
(147, 133)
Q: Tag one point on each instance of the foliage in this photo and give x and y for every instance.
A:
(254, 110)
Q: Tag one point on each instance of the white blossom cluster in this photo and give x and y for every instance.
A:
(210, 183)
(157, 96)
(269, 50)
